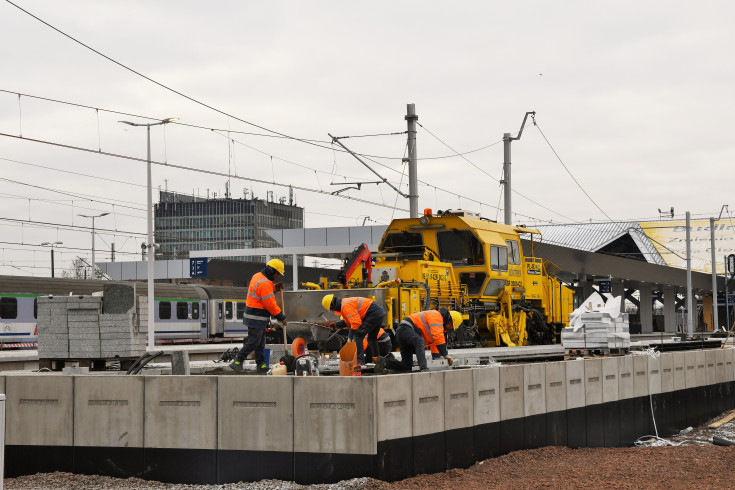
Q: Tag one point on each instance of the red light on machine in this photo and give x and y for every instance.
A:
(427, 211)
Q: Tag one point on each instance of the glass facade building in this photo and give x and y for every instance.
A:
(184, 223)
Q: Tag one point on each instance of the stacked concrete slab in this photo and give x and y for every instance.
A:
(598, 331)
(53, 327)
(205, 429)
(83, 314)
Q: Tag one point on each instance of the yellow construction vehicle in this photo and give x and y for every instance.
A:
(460, 261)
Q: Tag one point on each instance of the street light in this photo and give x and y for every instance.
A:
(94, 267)
(150, 244)
(52, 253)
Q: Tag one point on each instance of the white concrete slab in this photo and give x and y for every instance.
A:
(720, 366)
(534, 394)
(575, 384)
(428, 403)
(394, 407)
(556, 386)
(626, 388)
(667, 372)
(690, 365)
(39, 410)
(640, 375)
(710, 369)
(108, 411)
(610, 381)
(486, 383)
(593, 381)
(654, 375)
(511, 392)
(178, 412)
(459, 410)
(255, 413)
(701, 367)
(335, 414)
(680, 370)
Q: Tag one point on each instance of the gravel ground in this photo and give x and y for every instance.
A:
(693, 462)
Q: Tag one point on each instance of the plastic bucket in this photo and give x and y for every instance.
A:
(347, 359)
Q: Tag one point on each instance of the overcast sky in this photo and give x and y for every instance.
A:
(635, 98)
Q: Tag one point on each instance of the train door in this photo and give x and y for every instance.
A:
(216, 317)
(199, 312)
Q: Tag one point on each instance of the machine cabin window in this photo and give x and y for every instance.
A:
(164, 310)
(182, 310)
(499, 258)
(460, 247)
(514, 253)
(8, 308)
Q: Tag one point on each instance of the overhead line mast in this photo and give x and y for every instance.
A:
(507, 138)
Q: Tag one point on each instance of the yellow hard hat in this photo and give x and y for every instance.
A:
(456, 318)
(277, 264)
(327, 301)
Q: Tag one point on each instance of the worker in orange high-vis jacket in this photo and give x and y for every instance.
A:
(415, 333)
(260, 306)
(384, 346)
(362, 316)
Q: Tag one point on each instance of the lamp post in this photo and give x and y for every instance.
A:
(94, 267)
(52, 253)
(150, 245)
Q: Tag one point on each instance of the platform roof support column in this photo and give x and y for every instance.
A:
(295, 259)
(618, 289)
(669, 309)
(645, 311)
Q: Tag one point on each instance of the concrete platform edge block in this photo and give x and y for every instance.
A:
(610, 380)
(459, 410)
(640, 376)
(679, 371)
(593, 381)
(701, 367)
(575, 384)
(255, 413)
(108, 411)
(690, 368)
(534, 394)
(394, 407)
(39, 410)
(335, 415)
(667, 372)
(486, 404)
(556, 387)
(626, 374)
(654, 375)
(428, 403)
(179, 412)
(511, 392)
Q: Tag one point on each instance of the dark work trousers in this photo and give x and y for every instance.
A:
(384, 347)
(374, 318)
(410, 343)
(255, 342)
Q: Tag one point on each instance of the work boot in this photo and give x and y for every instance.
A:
(379, 365)
(262, 368)
(236, 366)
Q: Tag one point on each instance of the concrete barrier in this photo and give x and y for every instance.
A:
(702, 392)
(428, 423)
(486, 404)
(626, 400)
(180, 436)
(255, 423)
(108, 425)
(611, 402)
(594, 414)
(39, 420)
(394, 415)
(667, 419)
(556, 404)
(534, 405)
(334, 428)
(576, 418)
(679, 408)
(459, 416)
(512, 435)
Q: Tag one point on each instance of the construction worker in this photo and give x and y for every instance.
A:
(415, 332)
(260, 306)
(363, 316)
(384, 346)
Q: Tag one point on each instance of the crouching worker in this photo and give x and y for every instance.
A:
(260, 305)
(362, 316)
(384, 346)
(415, 332)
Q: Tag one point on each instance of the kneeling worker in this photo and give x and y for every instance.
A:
(260, 305)
(362, 315)
(384, 345)
(415, 332)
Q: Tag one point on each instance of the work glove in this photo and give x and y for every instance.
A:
(284, 322)
(278, 286)
(449, 360)
(351, 336)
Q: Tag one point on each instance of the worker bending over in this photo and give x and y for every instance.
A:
(415, 332)
(384, 346)
(363, 316)
(260, 305)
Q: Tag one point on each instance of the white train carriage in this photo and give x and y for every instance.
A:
(18, 318)
(226, 310)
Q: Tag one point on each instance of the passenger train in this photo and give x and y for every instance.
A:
(192, 312)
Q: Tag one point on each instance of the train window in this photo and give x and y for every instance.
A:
(240, 310)
(494, 287)
(460, 247)
(219, 311)
(228, 310)
(204, 311)
(473, 280)
(164, 310)
(498, 258)
(182, 310)
(8, 308)
(195, 311)
(514, 252)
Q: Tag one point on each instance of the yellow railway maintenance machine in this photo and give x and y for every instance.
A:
(457, 260)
